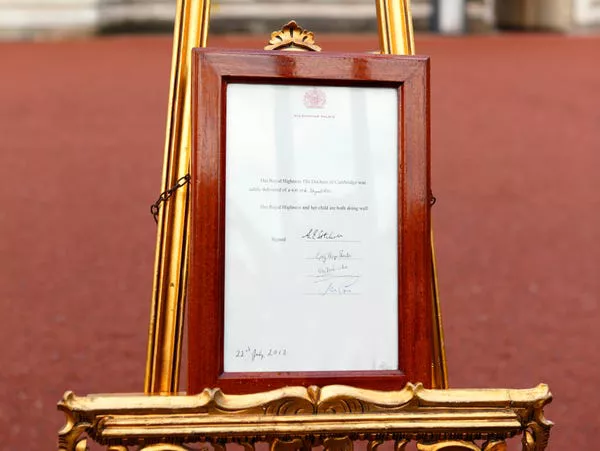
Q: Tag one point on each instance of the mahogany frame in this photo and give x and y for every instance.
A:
(212, 71)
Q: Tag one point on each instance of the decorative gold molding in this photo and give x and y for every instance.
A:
(297, 418)
(452, 445)
(494, 446)
(161, 447)
(293, 37)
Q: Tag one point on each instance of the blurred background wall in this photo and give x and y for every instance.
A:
(41, 19)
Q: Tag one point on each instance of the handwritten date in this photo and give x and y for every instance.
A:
(253, 354)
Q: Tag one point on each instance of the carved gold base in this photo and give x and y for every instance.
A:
(299, 418)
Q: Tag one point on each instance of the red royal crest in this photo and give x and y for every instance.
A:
(315, 98)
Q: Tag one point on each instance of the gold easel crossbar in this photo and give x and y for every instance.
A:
(299, 418)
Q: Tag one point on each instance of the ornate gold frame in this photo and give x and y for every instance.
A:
(298, 418)
(170, 274)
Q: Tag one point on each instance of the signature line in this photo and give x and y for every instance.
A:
(336, 258)
(332, 241)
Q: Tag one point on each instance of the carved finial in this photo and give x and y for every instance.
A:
(293, 37)
(314, 393)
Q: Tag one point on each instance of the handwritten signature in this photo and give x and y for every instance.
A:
(320, 234)
(342, 254)
(330, 269)
(344, 285)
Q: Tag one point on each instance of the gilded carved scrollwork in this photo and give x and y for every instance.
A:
(248, 446)
(499, 445)
(290, 445)
(462, 445)
(81, 445)
(163, 447)
(373, 445)
(337, 399)
(528, 441)
(293, 37)
(454, 445)
(298, 418)
(70, 436)
(538, 433)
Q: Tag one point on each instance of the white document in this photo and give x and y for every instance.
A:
(311, 236)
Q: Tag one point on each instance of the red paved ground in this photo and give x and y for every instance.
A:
(516, 152)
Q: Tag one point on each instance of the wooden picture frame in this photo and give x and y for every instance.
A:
(213, 72)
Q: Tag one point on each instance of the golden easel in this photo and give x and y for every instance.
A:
(293, 418)
(396, 36)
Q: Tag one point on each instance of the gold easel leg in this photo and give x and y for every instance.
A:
(396, 37)
(170, 267)
(438, 366)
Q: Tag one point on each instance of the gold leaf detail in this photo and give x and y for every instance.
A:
(453, 445)
(81, 445)
(528, 441)
(293, 37)
(293, 406)
(314, 393)
(164, 447)
(343, 399)
(373, 445)
(499, 445)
